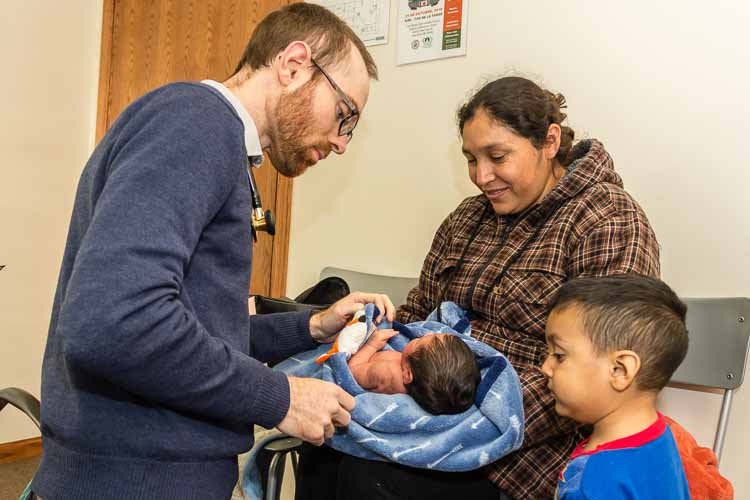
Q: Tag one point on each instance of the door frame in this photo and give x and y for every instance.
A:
(283, 206)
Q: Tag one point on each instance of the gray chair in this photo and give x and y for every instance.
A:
(29, 405)
(397, 288)
(22, 400)
(719, 332)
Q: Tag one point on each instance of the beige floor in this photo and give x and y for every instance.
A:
(14, 477)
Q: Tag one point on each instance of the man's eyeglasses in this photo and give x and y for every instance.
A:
(348, 120)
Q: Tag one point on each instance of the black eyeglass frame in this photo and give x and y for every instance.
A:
(349, 122)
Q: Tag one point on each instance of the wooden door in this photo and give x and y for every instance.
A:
(147, 43)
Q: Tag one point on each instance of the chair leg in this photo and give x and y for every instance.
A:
(295, 463)
(26, 494)
(721, 429)
(275, 476)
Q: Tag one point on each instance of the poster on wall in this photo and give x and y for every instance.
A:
(368, 18)
(431, 29)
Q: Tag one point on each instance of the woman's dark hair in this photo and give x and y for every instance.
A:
(445, 376)
(525, 108)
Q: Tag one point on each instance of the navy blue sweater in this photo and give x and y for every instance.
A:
(153, 374)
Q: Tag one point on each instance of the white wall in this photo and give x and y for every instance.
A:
(50, 57)
(665, 85)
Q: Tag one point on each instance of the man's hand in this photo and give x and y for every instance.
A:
(324, 326)
(315, 407)
(379, 338)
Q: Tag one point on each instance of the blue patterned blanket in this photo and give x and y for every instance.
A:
(392, 427)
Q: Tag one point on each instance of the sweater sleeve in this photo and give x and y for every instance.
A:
(123, 319)
(274, 337)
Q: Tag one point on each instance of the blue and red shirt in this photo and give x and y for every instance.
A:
(644, 465)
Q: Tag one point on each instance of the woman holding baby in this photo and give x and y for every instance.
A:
(548, 210)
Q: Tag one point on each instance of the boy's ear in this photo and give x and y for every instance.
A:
(624, 366)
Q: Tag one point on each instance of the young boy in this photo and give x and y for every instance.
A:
(614, 342)
(438, 370)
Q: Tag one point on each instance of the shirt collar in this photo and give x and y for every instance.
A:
(650, 433)
(252, 141)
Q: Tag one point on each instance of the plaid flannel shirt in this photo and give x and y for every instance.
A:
(505, 269)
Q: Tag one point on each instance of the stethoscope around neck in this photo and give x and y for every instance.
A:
(260, 220)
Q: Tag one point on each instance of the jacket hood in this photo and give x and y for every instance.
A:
(591, 165)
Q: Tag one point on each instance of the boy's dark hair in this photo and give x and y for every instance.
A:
(328, 36)
(633, 312)
(445, 376)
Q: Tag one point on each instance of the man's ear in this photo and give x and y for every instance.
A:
(552, 143)
(624, 367)
(293, 65)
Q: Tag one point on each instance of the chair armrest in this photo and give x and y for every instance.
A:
(283, 445)
(22, 400)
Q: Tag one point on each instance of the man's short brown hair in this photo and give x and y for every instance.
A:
(633, 312)
(328, 36)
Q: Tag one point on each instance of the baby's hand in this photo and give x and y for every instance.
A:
(379, 338)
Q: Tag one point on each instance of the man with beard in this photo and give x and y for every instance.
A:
(153, 372)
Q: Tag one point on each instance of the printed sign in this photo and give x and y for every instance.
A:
(431, 29)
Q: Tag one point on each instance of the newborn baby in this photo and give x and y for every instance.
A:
(438, 370)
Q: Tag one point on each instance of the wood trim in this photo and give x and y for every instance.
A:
(279, 262)
(19, 450)
(283, 213)
(105, 69)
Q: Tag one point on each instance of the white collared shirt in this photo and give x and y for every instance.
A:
(252, 141)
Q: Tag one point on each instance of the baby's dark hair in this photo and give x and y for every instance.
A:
(524, 107)
(632, 312)
(445, 376)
